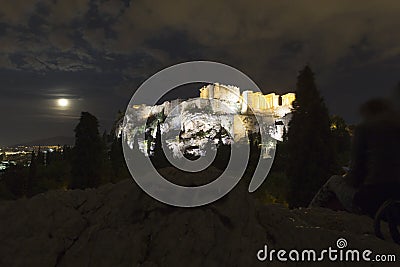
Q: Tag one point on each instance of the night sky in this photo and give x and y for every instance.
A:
(95, 53)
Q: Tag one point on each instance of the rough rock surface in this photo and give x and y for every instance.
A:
(119, 225)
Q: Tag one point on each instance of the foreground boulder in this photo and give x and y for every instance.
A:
(119, 225)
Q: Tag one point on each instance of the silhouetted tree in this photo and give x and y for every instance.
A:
(284, 134)
(88, 159)
(158, 145)
(13, 182)
(105, 138)
(32, 175)
(40, 157)
(149, 138)
(223, 150)
(255, 152)
(158, 159)
(310, 150)
(341, 139)
(118, 164)
(53, 156)
(66, 153)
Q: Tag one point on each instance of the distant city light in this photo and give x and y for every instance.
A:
(62, 102)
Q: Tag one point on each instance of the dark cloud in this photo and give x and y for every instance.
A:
(176, 44)
(102, 50)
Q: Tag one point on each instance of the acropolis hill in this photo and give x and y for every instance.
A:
(218, 107)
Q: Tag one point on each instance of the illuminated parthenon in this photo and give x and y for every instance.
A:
(234, 111)
(255, 101)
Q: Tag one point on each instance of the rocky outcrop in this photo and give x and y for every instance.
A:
(119, 225)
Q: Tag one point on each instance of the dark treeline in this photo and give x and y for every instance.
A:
(315, 146)
(93, 160)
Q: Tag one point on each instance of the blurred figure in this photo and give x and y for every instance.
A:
(374, 174)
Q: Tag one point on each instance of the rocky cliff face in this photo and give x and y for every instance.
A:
(119, 225)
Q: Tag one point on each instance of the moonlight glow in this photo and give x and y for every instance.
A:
(62, 102)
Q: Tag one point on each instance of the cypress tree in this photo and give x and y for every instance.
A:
(310, 151)
(88, 159)
(158, 159)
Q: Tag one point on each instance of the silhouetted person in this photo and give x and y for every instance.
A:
(374, 174)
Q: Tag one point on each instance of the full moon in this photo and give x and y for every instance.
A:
(62, 102)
